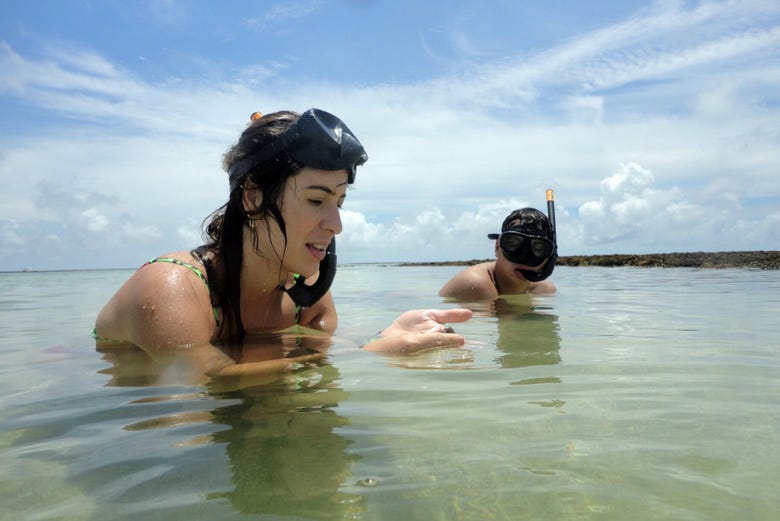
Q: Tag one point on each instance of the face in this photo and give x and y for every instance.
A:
(310, 206)
(512, 269)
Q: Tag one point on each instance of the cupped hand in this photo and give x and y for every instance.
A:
(420, 329)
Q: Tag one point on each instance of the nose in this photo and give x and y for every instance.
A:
(332, 221)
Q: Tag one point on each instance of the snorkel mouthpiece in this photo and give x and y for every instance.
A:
(304, 295)
(317, 139)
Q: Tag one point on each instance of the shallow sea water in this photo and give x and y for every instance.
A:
(634, 393)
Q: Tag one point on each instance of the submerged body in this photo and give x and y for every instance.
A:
(525, 250)
(488, 280)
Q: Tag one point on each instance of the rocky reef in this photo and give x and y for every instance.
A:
(763, 260)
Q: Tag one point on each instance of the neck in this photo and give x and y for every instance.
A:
(262, 272)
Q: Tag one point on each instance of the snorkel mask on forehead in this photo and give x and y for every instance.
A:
(317, 139)
(531, 241)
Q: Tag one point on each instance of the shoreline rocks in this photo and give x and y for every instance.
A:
(762, 260)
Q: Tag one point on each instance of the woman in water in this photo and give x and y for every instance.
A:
(269, 259)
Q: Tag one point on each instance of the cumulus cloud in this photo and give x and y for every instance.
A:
(633, 216)
(433, 234)
(680, 98)
(628, 207)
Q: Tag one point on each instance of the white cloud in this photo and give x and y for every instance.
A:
(141, 233)
(12, 239)
(96, 222)
(629, 207)
(190, 235)
(682, 101)
(281, 11)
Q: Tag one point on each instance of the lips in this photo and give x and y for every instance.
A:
(317, 250)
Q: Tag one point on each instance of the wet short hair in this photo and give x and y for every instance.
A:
(529, 219)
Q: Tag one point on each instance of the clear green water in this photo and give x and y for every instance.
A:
(632, 394)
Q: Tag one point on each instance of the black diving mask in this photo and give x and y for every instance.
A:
(317, 139)
(521, 248)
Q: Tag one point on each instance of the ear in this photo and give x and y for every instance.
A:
(251, 198)
(496, 249)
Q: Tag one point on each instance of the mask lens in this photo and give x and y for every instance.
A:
(541, 248)
(511, 242)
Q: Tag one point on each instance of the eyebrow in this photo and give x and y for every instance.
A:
(324, 188)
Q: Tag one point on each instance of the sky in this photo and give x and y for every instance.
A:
(657, 124)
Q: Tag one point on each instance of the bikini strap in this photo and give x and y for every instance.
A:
(197, 271)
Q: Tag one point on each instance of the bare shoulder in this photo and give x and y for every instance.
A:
(544, 287)
(163, 304)
(472, 283)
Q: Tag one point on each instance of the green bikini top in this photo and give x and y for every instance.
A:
(197, 271)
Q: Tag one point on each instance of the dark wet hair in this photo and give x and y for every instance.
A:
(223, 252)
(530, 219)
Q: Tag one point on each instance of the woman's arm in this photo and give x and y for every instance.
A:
(322, 315)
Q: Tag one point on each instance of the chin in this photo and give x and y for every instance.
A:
(308, 269)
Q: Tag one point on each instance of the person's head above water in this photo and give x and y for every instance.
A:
(275, 147)
(527, 238)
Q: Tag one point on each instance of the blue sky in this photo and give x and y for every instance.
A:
(657, 123)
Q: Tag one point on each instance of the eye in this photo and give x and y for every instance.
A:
(315, 202)
(541, 248)
(512, 242)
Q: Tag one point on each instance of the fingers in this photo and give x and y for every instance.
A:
(409, 343)
(449, 315)
(435, 340)
(450, 339)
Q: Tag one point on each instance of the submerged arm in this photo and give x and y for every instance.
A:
(321, 316)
